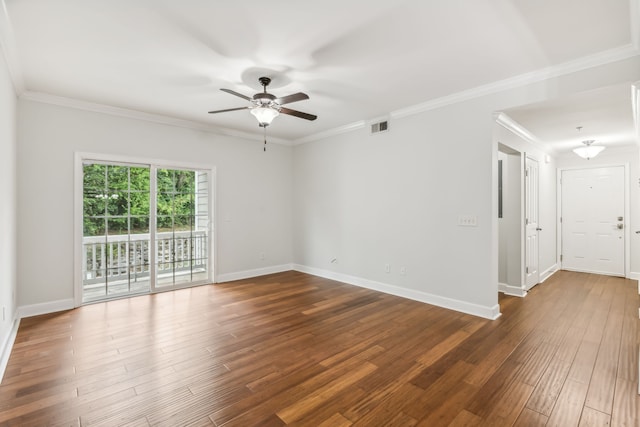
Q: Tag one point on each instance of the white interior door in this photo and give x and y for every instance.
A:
(592, 218)
(532, 272)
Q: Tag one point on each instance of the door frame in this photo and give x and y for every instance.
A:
(521, 289)
(80, 157)
(627, 211)
(527, 200)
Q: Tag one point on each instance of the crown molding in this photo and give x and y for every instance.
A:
(143, 116)
(517, 129)
(331, 132)
(8, 48)
(595, 60)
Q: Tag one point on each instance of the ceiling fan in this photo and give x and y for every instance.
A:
(266, 107)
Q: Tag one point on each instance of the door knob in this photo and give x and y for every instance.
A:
(620, 226)
(538, 229)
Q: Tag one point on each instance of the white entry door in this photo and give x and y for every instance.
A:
(532, 272)
(593, 220)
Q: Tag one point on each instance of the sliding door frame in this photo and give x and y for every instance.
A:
(154, 164)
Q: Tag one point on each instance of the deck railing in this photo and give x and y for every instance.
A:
(127, 257)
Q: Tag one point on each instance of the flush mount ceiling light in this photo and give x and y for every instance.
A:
(588, 151)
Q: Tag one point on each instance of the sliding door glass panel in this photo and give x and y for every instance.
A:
(182, 233)
(201, 243)
(115, 231)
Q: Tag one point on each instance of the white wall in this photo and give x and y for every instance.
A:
(611, 157)
(394, 198)
(7, 206)
(365, 200)
(253, 192)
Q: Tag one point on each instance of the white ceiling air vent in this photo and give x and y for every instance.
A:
(380, 125)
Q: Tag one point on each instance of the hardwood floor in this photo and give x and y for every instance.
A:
(293, 349)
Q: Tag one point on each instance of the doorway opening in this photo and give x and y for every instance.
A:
(510, 224)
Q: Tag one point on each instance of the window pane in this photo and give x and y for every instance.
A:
(139, 179)
(183, 223)
(183, 204)
(117, 226)
(139, 225)
(94, 203)
(94, 177)
(117, 204)
(165, 179)
(116, 248)
(93, 227)
(165, 204)
(185, 181)
(118, 177)
(201, 223)
(165, 223)
(139, 203)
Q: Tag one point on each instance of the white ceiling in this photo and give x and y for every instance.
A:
(604, 115)
(356, 59)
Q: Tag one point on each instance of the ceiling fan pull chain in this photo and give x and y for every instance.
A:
(265, 139)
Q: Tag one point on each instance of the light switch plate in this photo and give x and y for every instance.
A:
(467, 221)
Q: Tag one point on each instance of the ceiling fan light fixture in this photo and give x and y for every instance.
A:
(265, 114)
(588, 151)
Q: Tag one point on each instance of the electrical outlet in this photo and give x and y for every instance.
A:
(403, 270)
(387, 268)
(467, 221)
(262, 255)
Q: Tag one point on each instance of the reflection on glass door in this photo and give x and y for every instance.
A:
(182, 227)
(115, 242)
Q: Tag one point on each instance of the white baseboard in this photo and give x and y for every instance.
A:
(515, 291)
(548, 272)
(45, 308)
(491, 313)
(247, 274)
(634, 275)
(7, 345)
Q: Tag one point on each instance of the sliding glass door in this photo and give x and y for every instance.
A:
(144, 229)
(182, 234)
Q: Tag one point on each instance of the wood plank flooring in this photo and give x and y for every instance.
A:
(294, 349)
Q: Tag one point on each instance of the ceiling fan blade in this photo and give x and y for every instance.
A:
(233, 92)
(228, 109)
(292, 98)
(300, 114)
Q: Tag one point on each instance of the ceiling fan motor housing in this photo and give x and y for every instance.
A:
(265, 99)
